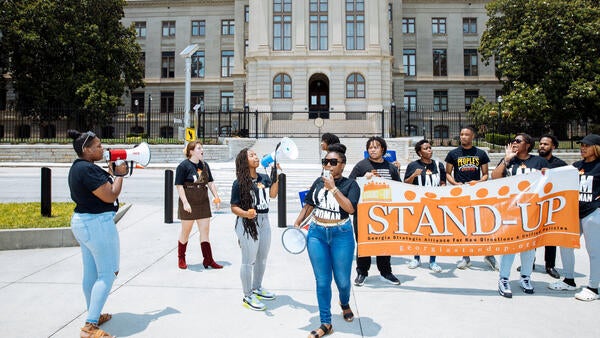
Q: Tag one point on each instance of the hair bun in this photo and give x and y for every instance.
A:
(74, 134)
(337, 147)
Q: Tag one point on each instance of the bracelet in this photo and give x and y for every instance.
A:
(334, 191)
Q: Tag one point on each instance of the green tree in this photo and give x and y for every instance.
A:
(70, 53)
(546, 55)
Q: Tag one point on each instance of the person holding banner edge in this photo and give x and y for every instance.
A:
(589, 220)
(374, 165)
(331, 199)
(250, 203)
(192, 180)
(468, 164)
(518, 161)
(425, 172)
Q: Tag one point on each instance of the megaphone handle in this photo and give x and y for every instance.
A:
(130, 168)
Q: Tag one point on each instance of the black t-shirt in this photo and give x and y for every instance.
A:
(85, 177)
(433, 174)
(517, 166)
(188, 171)
(589, 186)
(556, 162)
(260, 197)
(383, 169)
(326, 206)
(467, 163)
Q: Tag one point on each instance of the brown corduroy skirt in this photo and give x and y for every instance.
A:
(197, 196)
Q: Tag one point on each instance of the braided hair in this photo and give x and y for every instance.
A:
(242, 172)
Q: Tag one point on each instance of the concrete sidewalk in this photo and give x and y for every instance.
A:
(40, 293)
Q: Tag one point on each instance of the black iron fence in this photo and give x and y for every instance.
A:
(126, 126)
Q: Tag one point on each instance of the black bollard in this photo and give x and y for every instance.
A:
(281, 203)
(168, 196)
(46, 192)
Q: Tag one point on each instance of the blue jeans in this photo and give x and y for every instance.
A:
(506, 262)
(331, 250)
(99, 241)
(431, 258)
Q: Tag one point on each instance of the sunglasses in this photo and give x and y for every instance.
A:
(332, 161)
(89, 134)
(517, 141)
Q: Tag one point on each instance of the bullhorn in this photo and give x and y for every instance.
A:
(139, 154)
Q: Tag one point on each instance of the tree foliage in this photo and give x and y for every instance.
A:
(547, 58)
(70, 53)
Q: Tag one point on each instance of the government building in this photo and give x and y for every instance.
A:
(358, 64)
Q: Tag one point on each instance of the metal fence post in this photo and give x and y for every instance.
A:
(256, 124)
(168, 196)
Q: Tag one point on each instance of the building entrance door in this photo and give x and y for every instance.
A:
(318, 96)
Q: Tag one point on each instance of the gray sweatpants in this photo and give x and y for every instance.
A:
(590, 227)
(254, 253)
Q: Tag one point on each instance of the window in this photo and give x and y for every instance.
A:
(139, 108)
(282, 86)
(438, 25)
(390, 13)
(197, 98)
(140, 29)
(143, 62)
(282, 24)
(198, 28)
(318, 24)
(226, 63)
(440, 62)
(410, 106)
(246, 13)
(167, 102)
(469, 25)
(470, 57)
(227, 27)
(408, 25)
(440, 131)
(198, 64)
(355, 24)
(355, 86)
(226, 101)
(440, 100)
(168, 64)
(168, 29)
(470, 96)
(409, 59)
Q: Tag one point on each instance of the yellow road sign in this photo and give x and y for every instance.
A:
(190, 134)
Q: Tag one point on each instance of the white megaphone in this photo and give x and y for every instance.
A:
(139, 154)
(286, 147)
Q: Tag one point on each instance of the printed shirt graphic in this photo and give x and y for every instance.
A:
(325, 204)
(383, 169)
(188, 171)
(519, 167)
(433, 174)
(467, 163)
(589, 186)
(260, 196)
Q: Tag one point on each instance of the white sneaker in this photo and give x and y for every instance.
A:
(463, 263)
(265, 294)
(414, 264)
(253, 303)
(561, 286)
(504, 288)
(435, 267)
(586, 295)
(526, 285)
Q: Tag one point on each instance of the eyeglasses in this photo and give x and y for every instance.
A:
(89, 134)
(332, 161)
(517, 141)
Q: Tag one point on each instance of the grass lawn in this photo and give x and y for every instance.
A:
(29, 215)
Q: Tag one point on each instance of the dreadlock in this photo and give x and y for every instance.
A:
(242, 172)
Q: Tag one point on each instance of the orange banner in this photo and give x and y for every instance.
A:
(495, 217)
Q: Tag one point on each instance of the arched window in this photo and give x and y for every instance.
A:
(282, 86)
(355, 86)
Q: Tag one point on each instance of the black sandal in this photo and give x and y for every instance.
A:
(347, 313)
(324, 328)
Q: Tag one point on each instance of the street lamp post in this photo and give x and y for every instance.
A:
(393, 108)
(187, 54)
(499, 115)
(136, 103)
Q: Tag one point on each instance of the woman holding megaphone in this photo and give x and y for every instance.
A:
(192, 180)
(95, 193)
